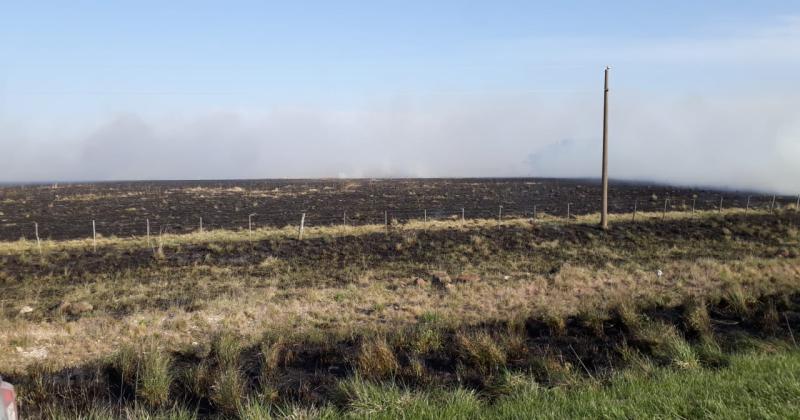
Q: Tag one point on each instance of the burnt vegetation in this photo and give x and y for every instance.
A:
(212, 323)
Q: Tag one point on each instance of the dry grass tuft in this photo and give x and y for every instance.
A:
(740, 301)
(769, 319)
(376, 359)
(226, 348)
(666, 344)
(594, 319)
(147, 368)
(697, 319)
(480, 350)
(271, 357)
(228, 389)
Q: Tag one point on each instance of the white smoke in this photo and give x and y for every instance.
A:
(743, 134)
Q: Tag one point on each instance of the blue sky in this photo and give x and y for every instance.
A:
(266, 74)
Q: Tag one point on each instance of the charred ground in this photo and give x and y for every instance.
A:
(65, 211)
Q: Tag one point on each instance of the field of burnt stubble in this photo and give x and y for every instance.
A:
(372, 319)
(66, 211)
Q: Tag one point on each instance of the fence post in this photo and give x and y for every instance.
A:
(386, 219)
(250, 224)
(772, 206)
(664, 214)
(344, 218)
(635, 205)
(747, 206)
(797, 205)
(534, 212)
(201, 225)
(500, 214)
(693, 202)
(147, 221)
(462, 214)
(94, 237)
(302, 225)
(38, 243)
(720, 204)
(425, 215)
(568, 212)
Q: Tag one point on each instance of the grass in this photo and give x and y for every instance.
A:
(486, 371)
(323, 326)
(221, 236)
(147, 369)
(376, 359)
(759, 385)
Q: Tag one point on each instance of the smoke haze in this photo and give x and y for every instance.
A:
(745, 143)
(720, 111)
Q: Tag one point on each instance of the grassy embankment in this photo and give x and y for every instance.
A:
(222, 323)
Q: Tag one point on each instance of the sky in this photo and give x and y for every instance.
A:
(702, 93)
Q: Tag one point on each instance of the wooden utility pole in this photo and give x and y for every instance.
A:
(604, 210)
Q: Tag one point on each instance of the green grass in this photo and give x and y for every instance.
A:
(756, 385)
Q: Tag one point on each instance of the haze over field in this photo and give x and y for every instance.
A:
(153, 91)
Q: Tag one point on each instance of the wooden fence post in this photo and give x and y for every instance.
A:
(772, 206)
(664, 214)
(425, 215)
(38, 243)
(302, 225)
(147, 221)
(94, 237)
(720, 204)
(462, 215)
(500, 214)
(201, 225)
(344, 218)
(250, 224)
(693, 202)
(386, 218)
(747, 206)
(568, 210)
(534, 212)
(635, 204)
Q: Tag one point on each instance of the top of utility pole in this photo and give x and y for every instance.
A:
(604, 209)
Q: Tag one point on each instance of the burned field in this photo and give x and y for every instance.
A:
(224, 323)
(123, 209)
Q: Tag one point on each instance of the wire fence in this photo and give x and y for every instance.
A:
(188, 221)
